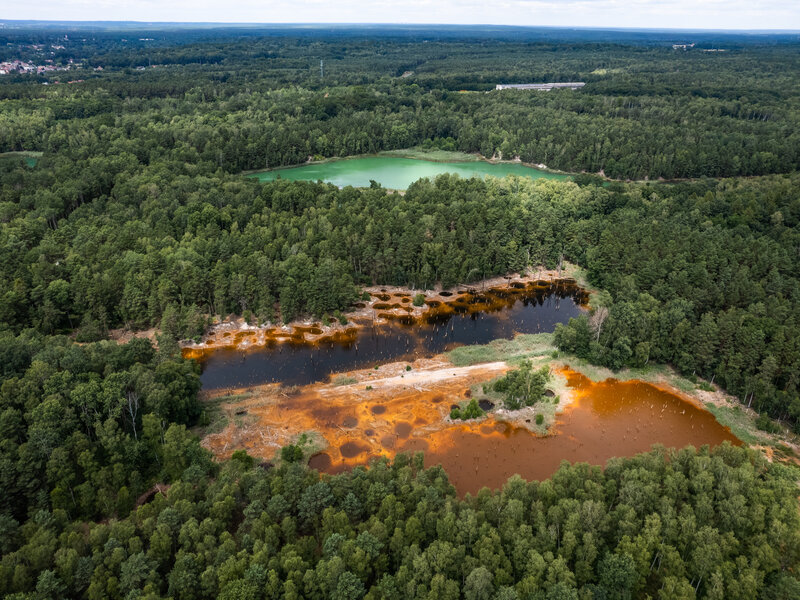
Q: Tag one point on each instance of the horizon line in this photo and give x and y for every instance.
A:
(388, 24)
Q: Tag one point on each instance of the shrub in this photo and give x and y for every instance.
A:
(472, 410)
(764, 423)
(419, 299)
(291, 453)
(523, 386)
(247, 460)
(539, 419)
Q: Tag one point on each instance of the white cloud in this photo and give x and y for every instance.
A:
(709, 14)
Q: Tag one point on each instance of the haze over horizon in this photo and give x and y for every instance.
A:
(644, 14)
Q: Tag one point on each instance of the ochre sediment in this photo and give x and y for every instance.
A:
(369, 416)
(386, 304)
(379, 412)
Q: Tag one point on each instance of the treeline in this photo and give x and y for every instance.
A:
(646, 112)
(168, 249)
(666, 525)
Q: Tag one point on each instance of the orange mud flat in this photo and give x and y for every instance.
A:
(406, 411)
(357, 423)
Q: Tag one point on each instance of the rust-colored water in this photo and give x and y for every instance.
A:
(607, 419)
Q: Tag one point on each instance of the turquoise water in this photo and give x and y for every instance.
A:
(29, 158)
(396, 173)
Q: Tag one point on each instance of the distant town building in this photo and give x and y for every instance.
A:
(542, 87)
(19, 66)
(682, 46)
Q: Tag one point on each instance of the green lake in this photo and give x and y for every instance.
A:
(396, 173)
(29, 158)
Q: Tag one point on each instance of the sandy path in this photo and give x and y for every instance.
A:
(424, 377)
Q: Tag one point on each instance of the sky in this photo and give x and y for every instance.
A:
(678, 14)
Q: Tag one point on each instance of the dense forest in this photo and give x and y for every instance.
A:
(647, 111)
(666, 525)
(136, 215)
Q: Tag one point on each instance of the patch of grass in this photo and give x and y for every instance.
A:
(310, 442)
(650, 373)
(214, 419)
(683, 384)
(740, 423)
(344, 380)
(521, 347)
(593, 372)
(23, 153)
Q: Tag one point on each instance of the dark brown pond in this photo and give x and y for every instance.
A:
(475, 318)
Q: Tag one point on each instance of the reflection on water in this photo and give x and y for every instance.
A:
(397, 173)
(475, 319)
